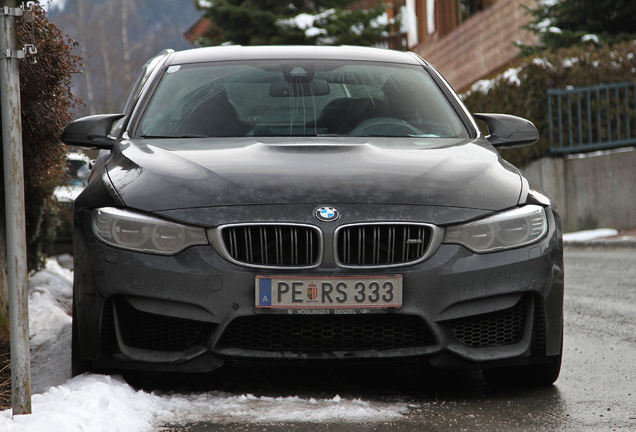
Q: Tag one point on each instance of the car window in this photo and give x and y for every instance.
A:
(299, 98)
(77, 171)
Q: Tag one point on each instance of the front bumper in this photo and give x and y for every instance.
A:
(195, 310)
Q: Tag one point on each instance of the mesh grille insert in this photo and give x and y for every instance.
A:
(156, 332)
(493, 329)
(382, 244)
(273, 245)
(538, 328)
(326, 333)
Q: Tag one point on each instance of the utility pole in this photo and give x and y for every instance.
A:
(14, 203)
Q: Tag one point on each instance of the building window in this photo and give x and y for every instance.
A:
(467, 8)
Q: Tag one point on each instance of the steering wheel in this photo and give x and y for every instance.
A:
(385, 126)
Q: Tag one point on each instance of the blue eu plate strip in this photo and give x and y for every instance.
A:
(265, 292)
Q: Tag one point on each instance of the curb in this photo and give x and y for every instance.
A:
(605, 243)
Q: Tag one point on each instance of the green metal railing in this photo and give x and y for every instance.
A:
(592, 118)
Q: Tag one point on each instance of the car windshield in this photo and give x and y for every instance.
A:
(299, 98)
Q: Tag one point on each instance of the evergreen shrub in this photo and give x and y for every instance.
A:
(521, 91)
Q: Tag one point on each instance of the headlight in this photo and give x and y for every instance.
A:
(138, 232)
(507, 230)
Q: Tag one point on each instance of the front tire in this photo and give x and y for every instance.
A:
(78, 366)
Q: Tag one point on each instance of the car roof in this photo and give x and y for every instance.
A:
(237, 52)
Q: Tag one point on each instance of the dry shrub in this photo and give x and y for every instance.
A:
(46, 98)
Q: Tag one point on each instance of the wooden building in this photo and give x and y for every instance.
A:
(467, 40)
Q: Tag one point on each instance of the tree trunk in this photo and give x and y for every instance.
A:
(84, 50)
(125, 43)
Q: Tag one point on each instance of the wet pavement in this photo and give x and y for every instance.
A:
(596, 390)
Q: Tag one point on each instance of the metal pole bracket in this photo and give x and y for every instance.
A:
(9, 11)
(24, 11)
(9, 54)
(29, 52)
(27, 13)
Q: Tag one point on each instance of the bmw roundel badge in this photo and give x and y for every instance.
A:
(327, 214)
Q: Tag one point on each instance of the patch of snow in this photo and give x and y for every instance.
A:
(302, 21)
(589, 234)
(512, 75)
(314, 31)
(305, 21)
(590, 37)
(102, 403)
(541, 62)
(543, 25)
(357, 29)
(381, 20)
(601, 153)
(482, 86)
(50, 300)
(569, 62)
(555, 30)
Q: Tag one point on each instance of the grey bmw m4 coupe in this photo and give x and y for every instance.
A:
(296, 204)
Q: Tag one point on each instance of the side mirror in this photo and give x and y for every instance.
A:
(507, 131)
(91, 131)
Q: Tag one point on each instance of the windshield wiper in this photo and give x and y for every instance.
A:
(182, 136)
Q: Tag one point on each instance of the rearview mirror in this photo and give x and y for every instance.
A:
(91, 131)
(507, 131)
(299, 89)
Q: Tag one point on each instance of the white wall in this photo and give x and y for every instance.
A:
(591, 190)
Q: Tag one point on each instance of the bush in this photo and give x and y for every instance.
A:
(522, 91)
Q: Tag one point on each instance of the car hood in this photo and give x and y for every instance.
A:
(164, 174)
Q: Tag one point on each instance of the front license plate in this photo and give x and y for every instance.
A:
(330, 292)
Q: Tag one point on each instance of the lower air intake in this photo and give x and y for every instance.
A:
(493, 329)
(326, 333)
(156, 332)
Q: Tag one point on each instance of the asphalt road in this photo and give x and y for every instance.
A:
(596, 390)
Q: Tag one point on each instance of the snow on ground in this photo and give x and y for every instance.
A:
(589, 235)
(99, 403)
(600, 153)
(103, 403)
